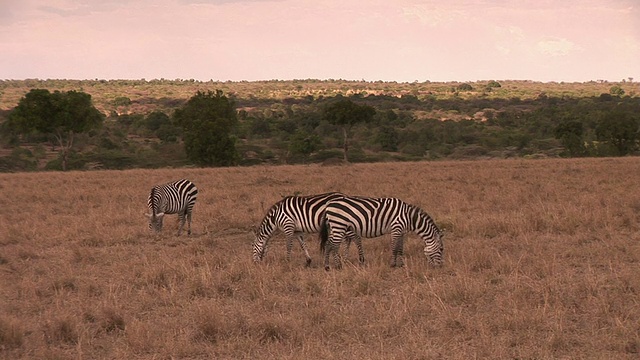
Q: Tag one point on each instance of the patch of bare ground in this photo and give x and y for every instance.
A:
(541, 261)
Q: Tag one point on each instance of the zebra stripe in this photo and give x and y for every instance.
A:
(373, 217)
(294, 216)
(176, 197)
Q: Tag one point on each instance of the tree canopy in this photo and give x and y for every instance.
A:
(58, 114)
(345, 113)
(208, 120)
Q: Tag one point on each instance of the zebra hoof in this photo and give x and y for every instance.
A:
(308, 263)
(326, 268)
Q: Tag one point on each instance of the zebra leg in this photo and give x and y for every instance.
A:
(189, 223)
(336, 256)
(397, 251)
(332, 247)
(327, 253)
(335, 246)
(181, 218)
(358, 241)
(345, 251)
(303, 245)
(289, 246)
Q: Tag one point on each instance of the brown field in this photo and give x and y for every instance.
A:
(541, 261)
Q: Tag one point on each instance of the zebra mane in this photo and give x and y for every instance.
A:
(417, 212)
(272, 212)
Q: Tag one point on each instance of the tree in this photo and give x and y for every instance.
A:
(345, 113)
(620, 129)
(387, 137)
(58, 114)
(570, 135)
(156, 119)
(616, 90)
(303, 144)
(208, 120)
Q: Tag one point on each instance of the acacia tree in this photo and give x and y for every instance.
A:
(61, 115)
(345, 114)
(208, 120)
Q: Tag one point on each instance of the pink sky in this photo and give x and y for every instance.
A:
(400, 40)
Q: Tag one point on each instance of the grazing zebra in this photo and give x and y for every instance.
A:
(372, 217)
(176, 197)
(294, 215)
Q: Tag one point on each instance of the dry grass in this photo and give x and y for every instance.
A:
(541, 257)
(147, 96)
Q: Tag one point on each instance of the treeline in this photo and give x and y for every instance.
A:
(359, 127)
(406, 128)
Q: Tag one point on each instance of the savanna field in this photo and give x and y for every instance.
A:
(541, 261)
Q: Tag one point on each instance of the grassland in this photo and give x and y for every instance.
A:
(541, 261)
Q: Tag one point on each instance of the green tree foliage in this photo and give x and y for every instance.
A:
(304, 144)
(207, 121)
(345, 114)
(58, 114)
(387, 138)
(156, 119)
(570, 134)
(616, 90)
(122, 101)
(160, 124)
(621, 130)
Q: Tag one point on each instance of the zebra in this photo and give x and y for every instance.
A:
(176, 197)
(294, 216)
(373, 217)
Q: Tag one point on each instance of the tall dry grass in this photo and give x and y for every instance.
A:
(541, 259)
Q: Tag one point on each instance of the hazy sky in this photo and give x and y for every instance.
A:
(390, 40)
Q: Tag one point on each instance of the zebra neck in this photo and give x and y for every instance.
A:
(157, 206)
(153, 201)
(268, 226)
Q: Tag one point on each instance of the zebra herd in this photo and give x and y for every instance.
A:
(336, 216)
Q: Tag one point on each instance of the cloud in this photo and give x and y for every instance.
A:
(557, 47)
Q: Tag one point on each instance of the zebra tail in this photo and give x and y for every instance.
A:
(324, 233)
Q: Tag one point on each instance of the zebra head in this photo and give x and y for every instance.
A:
(264, 232)
(434, 250)
(259, 247)
(155, 221)
(424, 226)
